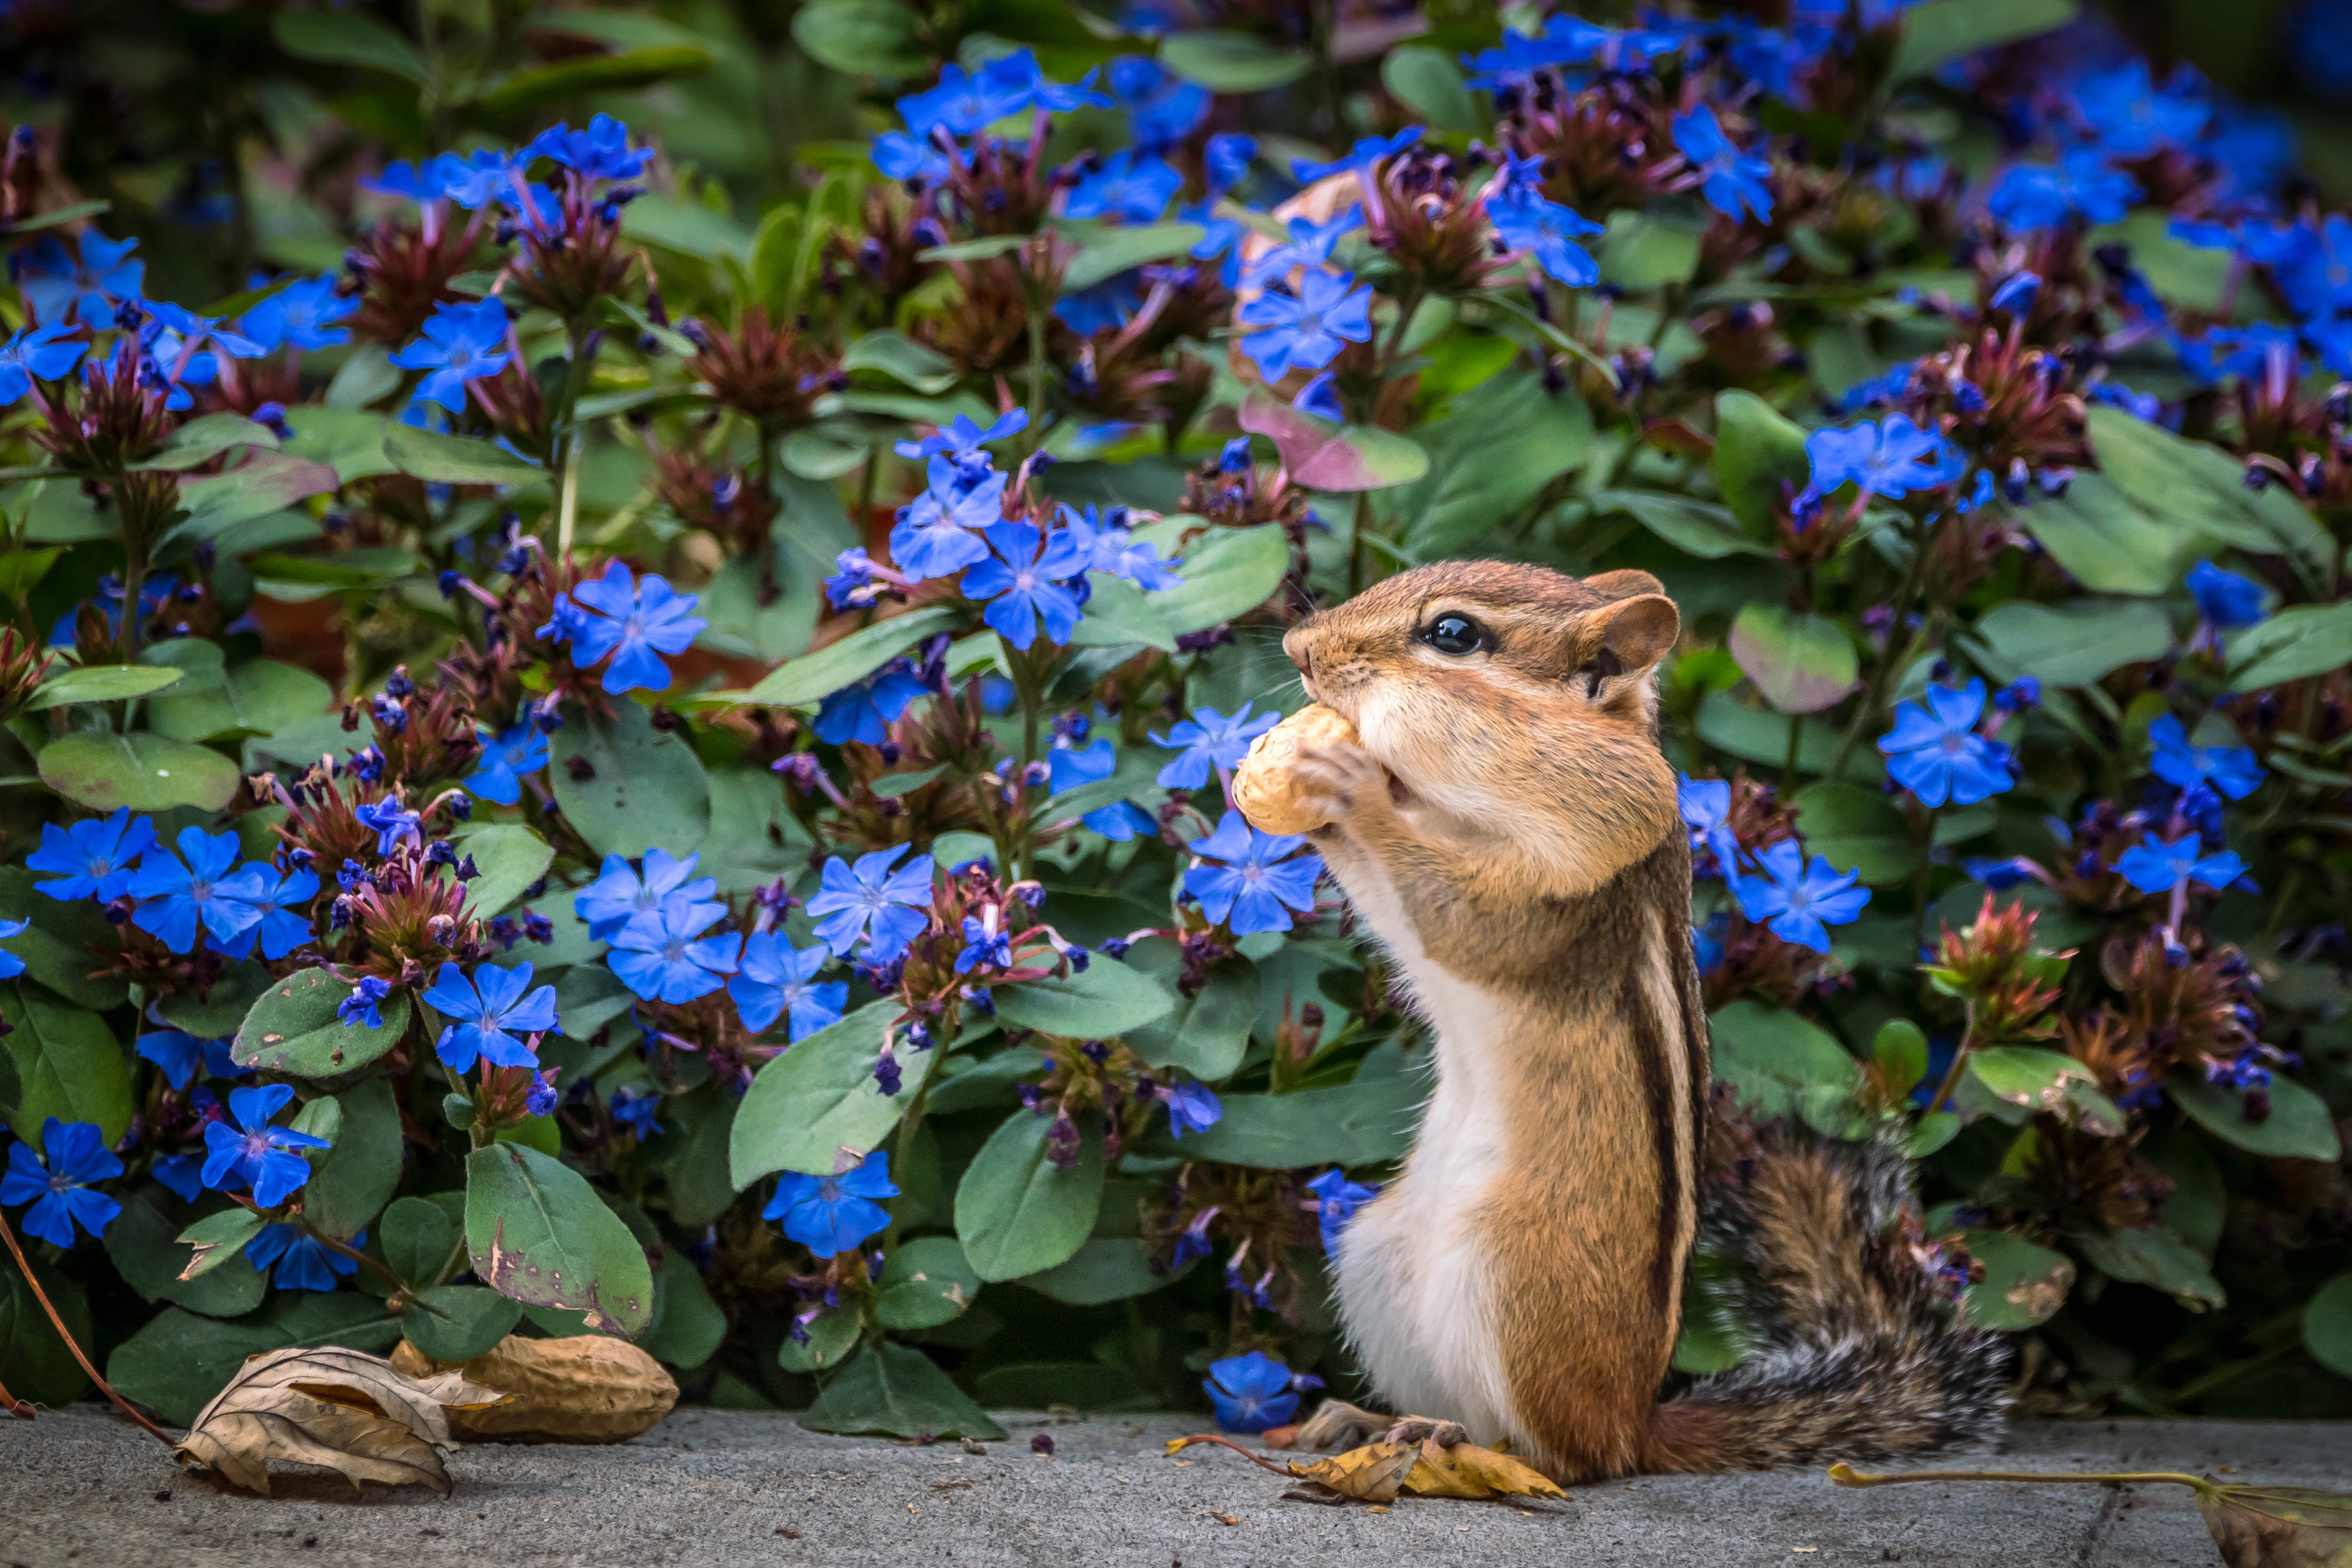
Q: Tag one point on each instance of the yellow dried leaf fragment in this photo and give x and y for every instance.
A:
(588, 1388)
(351, 1412)
(1373, 1473)
(1264, 785)
(1468, 1470)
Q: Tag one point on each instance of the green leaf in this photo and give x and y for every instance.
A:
(1106, 1269)
(832, 1335)
(143, 1243)
(348, 440)
(2046, 1081)
(525, 91)
(145, 772)
(1802, 663)
(1106, 253)
(1122, 615)
(1757, 451)
(100, 683)
(1931, 1133)
(1900, 1050)
(2328, 1325)
(894, 1391)
(1489, 459)
(821, 1096)
(259, 697)
(1943, 30)
(1369, 1119)
(644, 787)
(68, 1065)
(178, 1361)
(416, 1235)
(1696, 528)
(1643, 251)
(509, 857)
(265, 483)
(34, 1362)
(2022, 1283)
(1104, 999)
(206, 437)
(355, 1179)
(1769, 1058)
(1428, 82)
(293, 1029)
(2201, 489)
(350, 38)
(817, 676)
(537, 1232)
(862, 37)
(218, 1239)
(1227, 574)
(1324, 456)
(2074, 644)
(2306, 640)
(2299, 1126)
(925, 1283)
(1017, 1213)
(1078, 1385)
(688, 1326)
(459, 1322)
(903, 360)
(1858, 830)
(1233, 62)
(1760, 735)
(2104, 541)
(2156, 1256)
(440, 459)
(64, 943)
(1206, 1034)
(688, 227)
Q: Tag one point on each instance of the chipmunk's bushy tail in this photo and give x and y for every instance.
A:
(1856, 1354)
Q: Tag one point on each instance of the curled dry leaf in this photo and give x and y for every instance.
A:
(1267, 789)
(2278, 1527)
(1467, 1470)
(1377, 1472)
(588, 1388)
(354, 1413)
(1373, 1473)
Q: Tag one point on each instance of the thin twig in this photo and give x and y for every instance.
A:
(1847, 1476)
(8, 1235)
(1176, 1444)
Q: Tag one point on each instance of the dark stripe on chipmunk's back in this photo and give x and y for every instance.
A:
(1666, 1109)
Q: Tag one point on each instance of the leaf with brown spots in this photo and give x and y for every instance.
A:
(1373, 1473)
(351, 1412)
(1467, 1470)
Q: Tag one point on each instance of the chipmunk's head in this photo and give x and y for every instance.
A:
(1492, 688)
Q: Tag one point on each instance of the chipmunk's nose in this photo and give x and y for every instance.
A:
(1298, 643)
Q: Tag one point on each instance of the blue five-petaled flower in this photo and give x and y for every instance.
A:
(635, 622)
(1934, 751)
(1261, 881)
(59, 1191)
(887, 907)
(2154, 865)
(93, 858)
(1209, 741)
(174, 899)
(775, 978)
(246, 1149)
(489, 1011)
(1251, 1393)
(1798, 901)
(833, 1214)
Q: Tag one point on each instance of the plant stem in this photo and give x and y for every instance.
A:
(1960, 1061)
(1796, 747)
(1847, 1476)
(1894, 661)
(8, 1235)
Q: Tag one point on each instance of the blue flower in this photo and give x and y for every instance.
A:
(1023, 583)
(1935, 752)
(830, 1215)
(394, 824)
(636, 1112)
(1161, 108)
(301, 316)
(601, 153)
(889, 908)
(635, 622)
(1337, 1199)
(59, 1191)
(173, 898)
(182, 1174)
(461, 343)
(1251, 1393)
(302, 1262)
(484, 176)
(1706, 807)
(2258, 353)
(776, 978)
(1111, 548)
(360, 1008)
(1209, 741)
(59, 289)
(1547, 231)
(1799, 902)
(662, 955)
(2225, 599)
(960, 435)
(2156, 866)
(2000, 873)
(866, 707)
(1320, 397)
(245, 1147)
(1306, 331)
(2131, 117)
(2033, 196)
(1225, 160)
(485, 1009)
(1191, 1108)
(903, 157)
(962, 103)
(10, 966)
(508, 757)
(93, 858)
(986, 941)
(1733, 180)
(1362, 158)
(183, 1057)
(1104, 307)
(2232, 769)
(35, 354)
(283, 927)
(1072, 766)
(2016, 292)
(1257, 888)
(619, 893)
(1018, 80)
(936, 534)
(1310, 247)
(1890, 459)
(1132, 187)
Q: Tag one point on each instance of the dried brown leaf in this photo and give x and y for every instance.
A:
(1468, 1470)
(351, 1412)
(1373, 1473)
(589, 1389)
(2278, 1527)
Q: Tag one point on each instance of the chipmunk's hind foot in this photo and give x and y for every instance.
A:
(1337, 1423)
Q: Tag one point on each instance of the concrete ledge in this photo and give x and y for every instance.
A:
(81, 1487)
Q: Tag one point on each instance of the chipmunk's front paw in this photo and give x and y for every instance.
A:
(1340, 782)
(1337, 1423)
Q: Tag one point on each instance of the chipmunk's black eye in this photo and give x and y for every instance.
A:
(1456, 634)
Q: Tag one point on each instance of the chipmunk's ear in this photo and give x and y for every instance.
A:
(1624, 584)
(1626, 637)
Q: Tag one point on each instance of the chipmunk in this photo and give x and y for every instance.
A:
(1507, 827)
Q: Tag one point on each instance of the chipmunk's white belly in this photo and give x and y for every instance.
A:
(1415, 1285)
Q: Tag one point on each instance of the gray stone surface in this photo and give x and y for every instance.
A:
(84, 1488)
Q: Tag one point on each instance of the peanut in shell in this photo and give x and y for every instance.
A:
(1264, 787)
(588, 1388)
